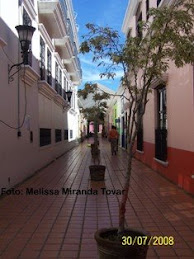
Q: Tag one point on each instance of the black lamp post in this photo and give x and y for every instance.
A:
(25, 33)
(69, 94)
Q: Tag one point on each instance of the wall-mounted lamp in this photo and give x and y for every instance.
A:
(69, 94)
(25, 34)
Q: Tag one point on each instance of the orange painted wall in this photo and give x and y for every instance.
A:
(180, 165)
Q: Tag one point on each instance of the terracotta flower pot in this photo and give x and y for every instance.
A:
(111, 248)
(97, 172)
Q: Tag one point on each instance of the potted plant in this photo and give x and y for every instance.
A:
(169, 36)
(95, 112)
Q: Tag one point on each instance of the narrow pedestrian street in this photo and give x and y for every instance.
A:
(34, 224)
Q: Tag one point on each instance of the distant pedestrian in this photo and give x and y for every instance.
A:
(113, 138)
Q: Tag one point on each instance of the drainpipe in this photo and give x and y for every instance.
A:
(18, 83)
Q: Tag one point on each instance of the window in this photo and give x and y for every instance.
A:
(158, 2)
(58, 79)
(71, 133)
(140, 130)
(139, 29)
(65, 134)
(60, 82)
(138, 21)
(45, 137)
(147, 8)
(58, 136)
(129, 34)
(26, 18)
(49, 67)
(56, 76)
(65, 87)
(42, 59)
(161, 130)
(162, 116)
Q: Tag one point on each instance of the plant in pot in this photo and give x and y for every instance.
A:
(95, 112)
(144, 59)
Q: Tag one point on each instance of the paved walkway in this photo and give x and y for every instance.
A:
(62, 226)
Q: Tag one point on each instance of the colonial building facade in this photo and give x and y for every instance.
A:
(38, 120)
(166, 141)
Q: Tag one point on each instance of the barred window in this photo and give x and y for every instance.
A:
(58, 136)
(45, 137)
(49, 67)
(42, 59)
(26, 18)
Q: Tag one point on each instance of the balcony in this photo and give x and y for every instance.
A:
(53, 14)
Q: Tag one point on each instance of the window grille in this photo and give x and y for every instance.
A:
(161, 130)
(56, 76)
(60, 83)
(58, 136)
(42, 59)
(26, 18)
(49, 67)
(65, 134)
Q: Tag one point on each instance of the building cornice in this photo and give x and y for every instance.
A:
(158, 81)
(28, 75)
(46, 90)
(130, 12)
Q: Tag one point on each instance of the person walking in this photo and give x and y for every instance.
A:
(113, 138)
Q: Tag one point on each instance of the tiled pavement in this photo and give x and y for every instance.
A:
(62, 226)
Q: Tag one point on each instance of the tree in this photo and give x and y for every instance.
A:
(168, 37)
(96, 112)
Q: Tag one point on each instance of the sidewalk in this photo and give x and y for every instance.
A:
(63, 226)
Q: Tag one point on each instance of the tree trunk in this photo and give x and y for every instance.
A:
(122, 206)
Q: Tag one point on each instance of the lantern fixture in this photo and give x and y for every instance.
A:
(25, 33)
(69, 94)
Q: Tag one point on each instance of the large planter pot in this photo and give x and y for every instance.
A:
(109, 248)
(97, 172)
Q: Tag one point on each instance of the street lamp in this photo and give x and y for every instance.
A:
(25, 33)
(69, 94)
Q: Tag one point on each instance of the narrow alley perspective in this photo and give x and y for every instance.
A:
(44, 222)
(97, 129)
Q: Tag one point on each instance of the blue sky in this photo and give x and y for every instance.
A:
(104, 13)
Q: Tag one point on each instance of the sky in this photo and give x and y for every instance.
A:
(103, 13)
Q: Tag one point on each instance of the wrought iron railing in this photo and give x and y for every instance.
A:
(58, 88)
(64, 9)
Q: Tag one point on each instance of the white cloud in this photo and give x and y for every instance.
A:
(91, 75)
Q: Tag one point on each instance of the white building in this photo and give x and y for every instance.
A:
(37, 122)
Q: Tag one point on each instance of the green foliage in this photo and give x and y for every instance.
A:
(94, 113)
(168, 37)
